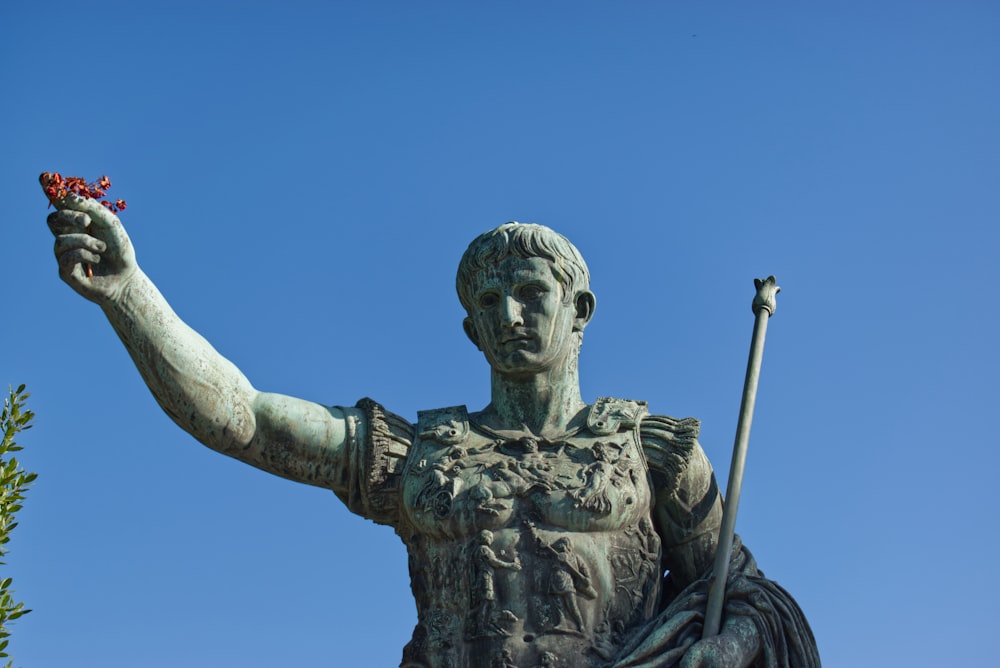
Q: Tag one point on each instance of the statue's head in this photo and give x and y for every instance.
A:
(525, 290)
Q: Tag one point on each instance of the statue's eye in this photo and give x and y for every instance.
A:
(488, 300)
(530, 293)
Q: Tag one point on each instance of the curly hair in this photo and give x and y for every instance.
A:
(523, 241)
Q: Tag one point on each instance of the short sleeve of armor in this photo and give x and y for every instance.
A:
(369, 482)
(688, 505)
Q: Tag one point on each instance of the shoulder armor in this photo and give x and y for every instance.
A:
(609, 415)
(447, 426)
(668, 443)
(382, 458)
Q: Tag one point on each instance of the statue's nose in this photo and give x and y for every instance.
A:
(510, 311)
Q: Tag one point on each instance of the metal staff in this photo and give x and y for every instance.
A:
(763, 308)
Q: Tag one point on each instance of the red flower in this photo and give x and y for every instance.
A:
(56, 186)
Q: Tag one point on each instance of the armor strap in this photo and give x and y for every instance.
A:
(447, 426)
(609, 415)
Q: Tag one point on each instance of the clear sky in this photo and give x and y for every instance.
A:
(302, 179)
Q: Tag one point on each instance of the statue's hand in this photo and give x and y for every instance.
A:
(88, 234)
(736, 646)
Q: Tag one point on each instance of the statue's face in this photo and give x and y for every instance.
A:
(519, 319)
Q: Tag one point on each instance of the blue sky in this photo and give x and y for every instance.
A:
(302, 178)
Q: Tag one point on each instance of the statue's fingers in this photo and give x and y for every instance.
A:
(72, 263)
(100, 216)
(69, 242)
(68, 221)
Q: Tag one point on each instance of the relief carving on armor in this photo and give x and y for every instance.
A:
(529, 467)
(438, 630)
(568, 578)
(637, 568)
(547, 660)
(432, 644)
(485, 621)
(443, 480)
(501, 515)
(606, 471)
(503, 660)
(606, 641)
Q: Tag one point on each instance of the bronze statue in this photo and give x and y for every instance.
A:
(541, 530)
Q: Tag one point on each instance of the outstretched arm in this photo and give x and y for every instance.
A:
(199, 389)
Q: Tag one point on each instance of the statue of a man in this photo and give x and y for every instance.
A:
(553, 499)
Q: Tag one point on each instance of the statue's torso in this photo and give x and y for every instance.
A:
(520, 547)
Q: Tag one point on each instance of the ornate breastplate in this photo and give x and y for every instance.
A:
(523, 550)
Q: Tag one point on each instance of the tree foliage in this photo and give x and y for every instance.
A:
(14, 482)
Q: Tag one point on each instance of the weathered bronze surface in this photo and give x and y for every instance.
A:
(541, 531)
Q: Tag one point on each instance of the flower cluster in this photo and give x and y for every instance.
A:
(57, 186)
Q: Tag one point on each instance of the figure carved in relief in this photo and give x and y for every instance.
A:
(443, 483)
(594, 494)
(509, 480)
(569, 578)
(532, 463)
(603, 645)
(547, 660)
(504, 660)
(484, 594)
(649, 557)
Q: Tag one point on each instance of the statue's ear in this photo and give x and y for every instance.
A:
(470, 331)
(586, 302)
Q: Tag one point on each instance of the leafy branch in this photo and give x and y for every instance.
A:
(14, 482)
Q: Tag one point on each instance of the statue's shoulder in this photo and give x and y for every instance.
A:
(380, 458)
(669, 444)
(379, 446)
(391, 434)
